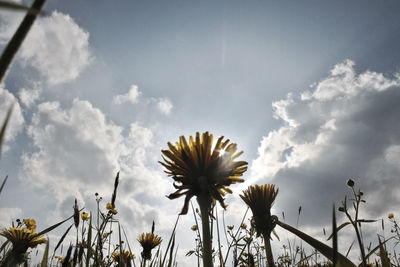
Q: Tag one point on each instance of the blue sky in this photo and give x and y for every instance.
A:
(308, 89)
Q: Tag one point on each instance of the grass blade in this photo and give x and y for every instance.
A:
(318, 245)
(383, 255)
(45, 254)
(3, 183)
(4, 126)
(89, 242)
(15, 43)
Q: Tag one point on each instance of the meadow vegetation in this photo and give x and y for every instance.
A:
(205, 170)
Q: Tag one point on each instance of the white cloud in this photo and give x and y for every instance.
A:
(132, 96)
(57, 47)
(15, 124)
(29, 96)
(78, 151)
(345, 126)
(164, 105)
(8, 215)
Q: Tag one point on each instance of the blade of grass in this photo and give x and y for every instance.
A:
(170, 240)
(335, 237)
(45, 254)
(89, 242)
(15, 43)
(4, 126)
(3, 183)
(62, 239)
(318, 245)
(383, 255)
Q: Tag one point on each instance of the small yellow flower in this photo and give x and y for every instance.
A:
(60, 259)
(85, 216)
(243, 226)
(230, 227)
(30, 224)
(114, 211)
(148, 242)
(194, 227)
(390, 215)
(109, 206)
(105, 235)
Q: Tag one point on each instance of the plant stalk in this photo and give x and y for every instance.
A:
(268, 250)
(205, 204)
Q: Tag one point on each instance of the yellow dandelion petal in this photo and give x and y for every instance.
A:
(198, 168)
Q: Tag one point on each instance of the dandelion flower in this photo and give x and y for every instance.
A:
(202, 170)
(230, 227)
(260, 200)
(114, 211)
(127, 256)
(194, 227)
(22, 237)
(390, 215)
(243, 226)
(148, 241)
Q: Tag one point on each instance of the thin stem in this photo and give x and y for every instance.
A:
(205, 220)
(268, 250)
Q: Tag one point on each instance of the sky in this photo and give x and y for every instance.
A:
(309, 90)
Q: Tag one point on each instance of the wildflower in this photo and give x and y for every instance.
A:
(105, 235)
(350, 183)
(390, 215)
(127, 256)
(21, 239)
(30, 224)
(114, 211)
(85, 216)
(230, 227)
(199, 170)
(148, 241)
(260, 200)
(243, 226)
(194, 227)
(60, 259)
(109, 206)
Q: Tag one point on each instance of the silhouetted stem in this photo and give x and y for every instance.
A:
(268, 250)
(205, 204)
(14, 44)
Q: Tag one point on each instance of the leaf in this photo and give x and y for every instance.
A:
(45, 254)
(4, 126)
(376, 248)
(383, 255)
(335, 237)
(338, 229)
(45, 231)
(3, 183)
(318, 245)
(62, 238)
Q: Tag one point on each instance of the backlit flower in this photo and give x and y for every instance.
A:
(194, 227)
(230, 227)
(148, 241)
(22, 238)
(260, 200)
(243, 226)
(127, 256)
(198, 168)
(390, 215)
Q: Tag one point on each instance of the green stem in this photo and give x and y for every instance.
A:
(205, 204)
(268, 250)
